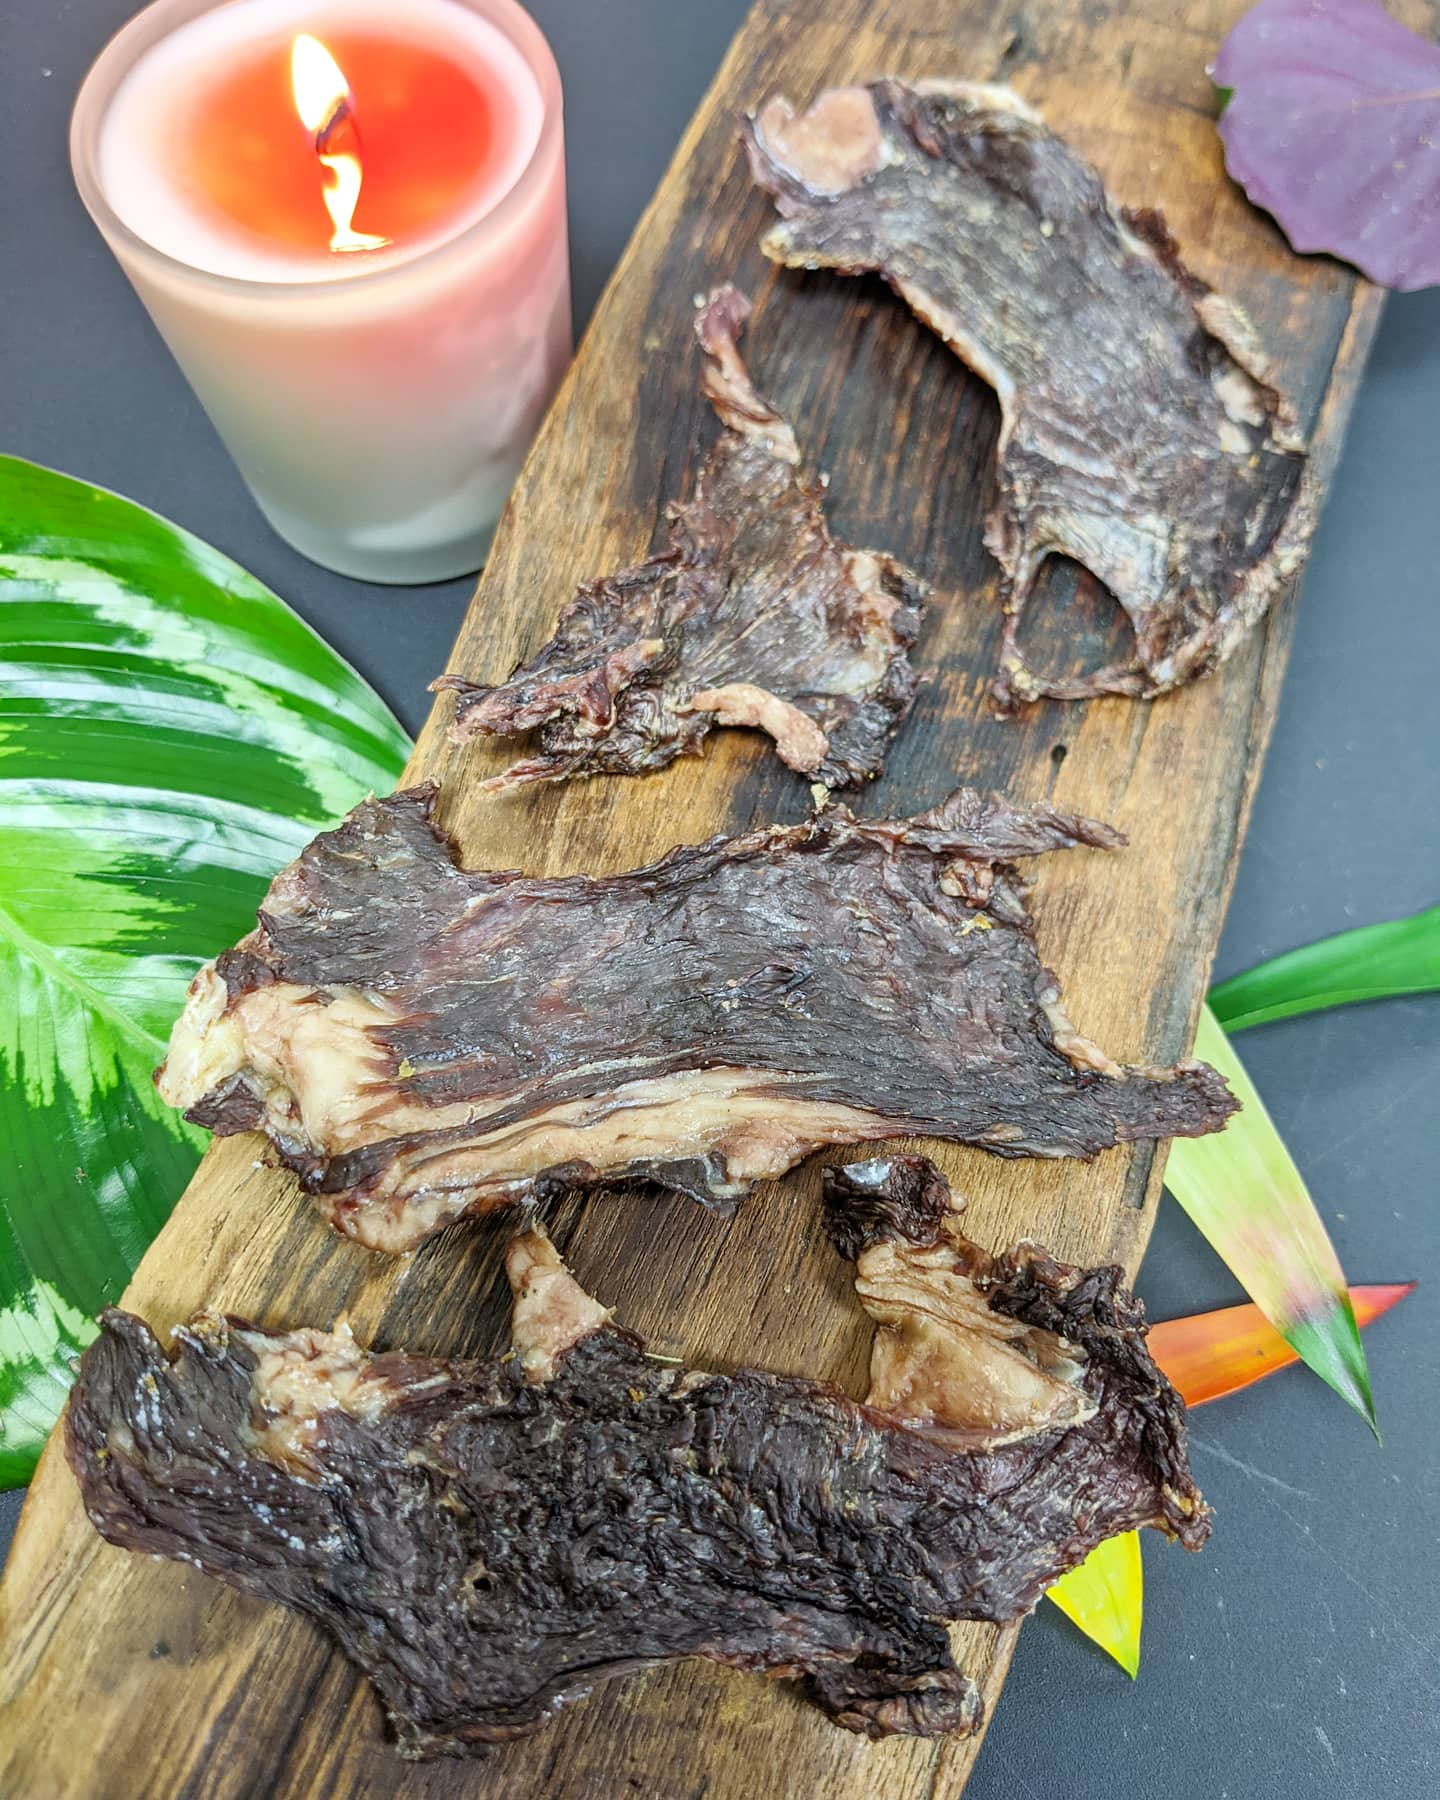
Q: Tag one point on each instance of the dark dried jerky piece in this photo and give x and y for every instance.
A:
(756, 616)
(936, 1297)
(903, 1200)
(1140, 434)
(421, 1040)
(490, 1540)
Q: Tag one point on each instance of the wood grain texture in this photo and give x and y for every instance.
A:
(121, 1676)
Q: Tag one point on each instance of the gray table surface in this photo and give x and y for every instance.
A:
(1301, 1654)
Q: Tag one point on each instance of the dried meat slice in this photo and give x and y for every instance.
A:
(490, 1540)
(1139, 432)
(421, 1040)
(756, 616)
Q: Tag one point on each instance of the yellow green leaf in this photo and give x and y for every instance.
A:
(1242, 1189)
(1104, 1596)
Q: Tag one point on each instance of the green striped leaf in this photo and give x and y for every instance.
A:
(1375, 962)
(170, 735)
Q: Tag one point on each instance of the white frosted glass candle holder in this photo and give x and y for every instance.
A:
(380, 411)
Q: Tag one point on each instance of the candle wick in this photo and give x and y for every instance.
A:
(340, 116)
(337, 144)
(329, 113)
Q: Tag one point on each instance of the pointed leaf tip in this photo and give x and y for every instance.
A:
(1104, 1596)
(1244, 1193)
(1331, 1346)
(1210, 1355)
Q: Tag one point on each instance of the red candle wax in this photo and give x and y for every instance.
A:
(427, 133)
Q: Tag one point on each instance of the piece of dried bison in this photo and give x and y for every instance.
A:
(488, 1540)
(755, 616)
(1139, 432)
(420, 1040)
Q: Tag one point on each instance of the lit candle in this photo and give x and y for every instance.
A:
(347, 218)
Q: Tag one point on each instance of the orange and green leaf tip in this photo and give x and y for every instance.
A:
(1209, 1355)
(1104, 1596)
(1242, 1189)
(1206, 1356)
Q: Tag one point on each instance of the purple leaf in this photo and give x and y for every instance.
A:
(1334, 127)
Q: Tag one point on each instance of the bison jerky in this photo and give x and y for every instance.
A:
(1139, 432)
(421, 1040)
(489, 1540)
(755, 616)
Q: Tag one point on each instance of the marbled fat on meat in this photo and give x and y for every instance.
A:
(421, 1040)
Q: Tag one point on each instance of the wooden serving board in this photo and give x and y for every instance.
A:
(126, 1677)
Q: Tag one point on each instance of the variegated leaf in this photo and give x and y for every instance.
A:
(170, 735)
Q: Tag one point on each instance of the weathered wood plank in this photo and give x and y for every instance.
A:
(129, 1677)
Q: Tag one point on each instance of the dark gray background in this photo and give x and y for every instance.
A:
(1300, 1655)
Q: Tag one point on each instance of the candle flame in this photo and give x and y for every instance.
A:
(322, 99)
